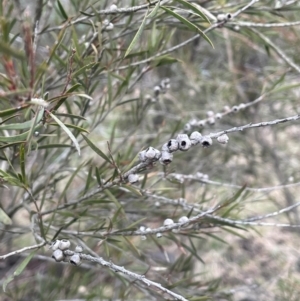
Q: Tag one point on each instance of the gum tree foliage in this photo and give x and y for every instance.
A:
(92, 94)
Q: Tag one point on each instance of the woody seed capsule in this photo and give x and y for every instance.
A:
(58, 255)
(64, 244)
(195, 138)
(150, 152)
(184, 142)
(187, 127)
(206, 141)
(75, 259)
(78, 249)
(113, 7)
(157, 154)
(166, 158)
(210, 114)
(211, 121)
(201, 123)
(223, 139)
(183, 219)
(109, 27)
(235, 109)
(156, 90)
(133, 178)
(221, 17)
(172, 145)
(218, 116)
(142, 156)
(168, 222)
(55, 244)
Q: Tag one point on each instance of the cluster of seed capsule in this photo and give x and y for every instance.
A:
(167, 222)
(59, 246)
(159, 89)
(183, 142)
(106, 24)
(212, 117)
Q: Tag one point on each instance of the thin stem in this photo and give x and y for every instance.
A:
(119, 269)
(3, 257)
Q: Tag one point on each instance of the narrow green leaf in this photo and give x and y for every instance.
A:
(133, 190)
(83, 69)
(72, 126)
(11, 144)
(216, 237)
(22, 162)
(188, 24)
(230, 230)
(55, 145)
(132, 247)
(284, 88)
(13, 110)
(9, 118)
(98, 176)
(64, 97)
(86, 14)
(16, 92)
(4, 218)
(62, 10)
(112, 197)
(25, 125)
(137, 35)
(115, 218)
(132, 226)
(96, 149)
(32, 128)
(69, 133)
(164, 60)
(194, 9)
(18, 138)
(193, 252)
(127, 101)
(19, 270)
(9, 51)
(89, 180)
(154, 11)
(84, 96)
(72, 116)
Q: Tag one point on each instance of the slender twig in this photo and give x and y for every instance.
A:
(284, 210)
(70, 71)
(264, 25)
(201, 179)
(3, 257)
(119, 269)
(246, 222)
(255, 125)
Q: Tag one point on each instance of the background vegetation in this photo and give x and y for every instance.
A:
(88, 85)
